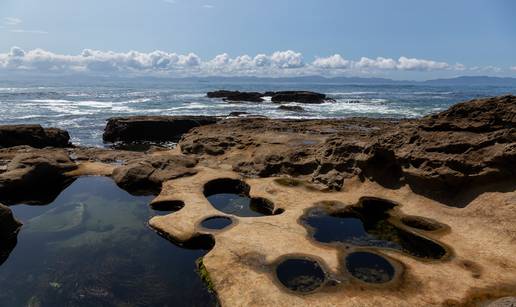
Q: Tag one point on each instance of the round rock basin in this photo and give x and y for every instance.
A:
(167, 206)
(216, 222)
(300, 275)
(369, 267)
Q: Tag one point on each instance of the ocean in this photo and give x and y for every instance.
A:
(83, 108)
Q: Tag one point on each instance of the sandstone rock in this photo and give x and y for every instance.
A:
(451, 157)
(145, 175)
(152, 128)
(504, 302)
(35, 177)
(33, 135)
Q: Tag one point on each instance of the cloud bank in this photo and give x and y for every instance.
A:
(279, 63)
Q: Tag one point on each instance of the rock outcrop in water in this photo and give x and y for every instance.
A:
(277, 97)
(33, 135)
(152, 128)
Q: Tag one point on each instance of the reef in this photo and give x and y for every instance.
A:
(349, 212)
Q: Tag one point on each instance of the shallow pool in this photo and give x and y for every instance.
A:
(92, 247)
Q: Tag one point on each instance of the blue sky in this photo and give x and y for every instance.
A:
(331, 37)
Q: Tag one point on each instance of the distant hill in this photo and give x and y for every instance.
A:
(473, 80)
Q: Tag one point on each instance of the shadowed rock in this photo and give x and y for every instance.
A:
(236, 96)
(33, 135)
(35, 177)
(299, 96)
(152, 128)
(9, 228)
(145, 175)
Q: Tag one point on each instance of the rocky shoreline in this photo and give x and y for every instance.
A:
(457, 167)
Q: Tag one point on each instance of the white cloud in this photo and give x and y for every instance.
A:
(335, 61)
(513, 68)
(28, 31)
(208, 6)
(279, 63)
(11, 21)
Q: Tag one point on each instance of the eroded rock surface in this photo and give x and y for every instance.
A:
(9, 228)
(447, 156)
(146, 174)
(35, 176)
(33, 135)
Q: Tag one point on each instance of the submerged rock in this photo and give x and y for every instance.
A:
(291, 108)
(152, 128)
(33, 135)
(60, 219)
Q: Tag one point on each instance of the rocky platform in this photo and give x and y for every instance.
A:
(442, 186)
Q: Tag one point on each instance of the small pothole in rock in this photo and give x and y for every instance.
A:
(300, 274)
(167, 206)
(421, 223)
(216, 222)
(231, 196)
(370, 267)
(367, 224)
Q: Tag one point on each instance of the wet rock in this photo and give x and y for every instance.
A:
(237, 114)
(299, 96)
(33, 135)
(9, 228)
(35, 177)
(145, 175)
(236, 96)
(291, 108)
(152, 128)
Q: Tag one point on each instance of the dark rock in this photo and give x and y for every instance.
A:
(298, 96)
(145, 175)
(9, 226)
(35, 177)
(236, 96)
(236, 114)
(291, 108)
(152, 128)
(33, 135)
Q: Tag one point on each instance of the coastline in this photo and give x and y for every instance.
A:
(456, 167)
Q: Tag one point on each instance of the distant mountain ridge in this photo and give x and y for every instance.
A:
(456, 81)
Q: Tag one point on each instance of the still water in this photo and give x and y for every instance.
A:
(92, 247)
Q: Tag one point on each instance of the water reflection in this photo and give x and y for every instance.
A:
(92, 247)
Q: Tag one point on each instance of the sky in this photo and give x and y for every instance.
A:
(400, 39)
